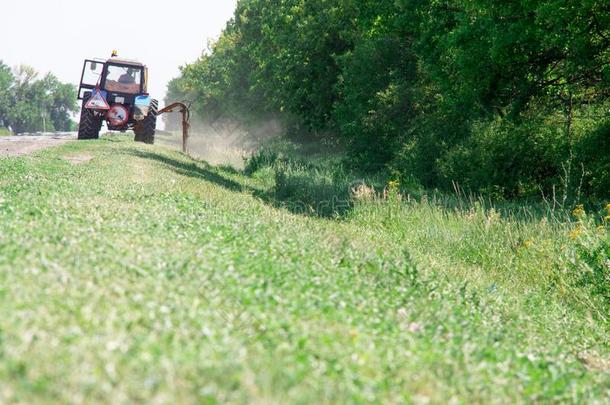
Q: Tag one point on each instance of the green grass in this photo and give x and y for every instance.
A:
(4, 131)
(141, 276)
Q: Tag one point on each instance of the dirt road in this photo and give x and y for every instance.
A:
(23, 145)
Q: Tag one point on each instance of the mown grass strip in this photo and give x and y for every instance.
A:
(140, 275)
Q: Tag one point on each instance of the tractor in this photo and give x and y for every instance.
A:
(115, 91)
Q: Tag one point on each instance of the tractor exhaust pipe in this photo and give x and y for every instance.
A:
(186, 118)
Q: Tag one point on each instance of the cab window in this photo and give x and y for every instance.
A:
(123, 79)
(92, 73)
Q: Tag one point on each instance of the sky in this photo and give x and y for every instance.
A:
(57, 35)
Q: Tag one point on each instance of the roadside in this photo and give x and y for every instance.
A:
(139, 274)
(210, 148)
(26, 144)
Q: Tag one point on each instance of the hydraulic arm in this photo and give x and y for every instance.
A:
(186, 117)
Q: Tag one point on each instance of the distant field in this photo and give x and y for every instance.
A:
(4, 131)
(133, 274)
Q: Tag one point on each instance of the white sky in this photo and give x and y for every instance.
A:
(57, 35)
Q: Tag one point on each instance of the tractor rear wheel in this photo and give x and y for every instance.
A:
(89, 126)
(145, 129)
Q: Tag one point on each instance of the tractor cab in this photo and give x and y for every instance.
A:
(120, 76)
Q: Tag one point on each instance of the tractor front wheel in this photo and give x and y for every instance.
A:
(89, 126)
(145, 129)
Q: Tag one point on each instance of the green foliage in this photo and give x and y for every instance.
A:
(588, 272)
(592, 152)
(6, 80)
(302, 181)
(263, 158)
(377, 106)
(28, 104)
(443, 91)
(505, 159)
(594, 265)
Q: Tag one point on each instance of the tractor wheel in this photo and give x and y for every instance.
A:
(145, 129)
(89, 126)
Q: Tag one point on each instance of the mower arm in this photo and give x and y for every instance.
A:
(186, 117)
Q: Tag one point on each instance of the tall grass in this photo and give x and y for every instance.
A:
(562, 251)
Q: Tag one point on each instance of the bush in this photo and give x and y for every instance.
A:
(593, 253)
(586, 265)
(506, 160)
(592, 151)
(316, 191)
(307, 181)
(259, 160)
(303, 187)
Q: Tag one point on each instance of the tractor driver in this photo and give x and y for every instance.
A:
(128, 77)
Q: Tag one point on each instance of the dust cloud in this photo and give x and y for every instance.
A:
(223, 141)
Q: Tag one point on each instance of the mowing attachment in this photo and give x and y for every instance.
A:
(186, 117)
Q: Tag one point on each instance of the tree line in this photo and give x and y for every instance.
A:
(505, 98)
(30, 104)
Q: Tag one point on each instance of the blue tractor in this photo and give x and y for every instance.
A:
(115, 91)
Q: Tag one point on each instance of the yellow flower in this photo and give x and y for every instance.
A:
(579, 211)
(607, 218)
(608, 207)
(575, 233)
(393, 184)
(528, 243)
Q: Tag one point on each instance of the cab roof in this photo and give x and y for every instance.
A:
(122, 61)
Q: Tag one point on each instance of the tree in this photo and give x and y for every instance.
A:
(6, 83)
(439, 90)
(61, 103)
(30, 104)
